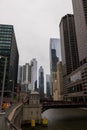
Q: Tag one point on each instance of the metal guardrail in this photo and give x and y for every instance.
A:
(11, 124)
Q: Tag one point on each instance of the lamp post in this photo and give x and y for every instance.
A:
(12, 89)
(3, 82)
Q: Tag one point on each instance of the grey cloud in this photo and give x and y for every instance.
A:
(35, 21)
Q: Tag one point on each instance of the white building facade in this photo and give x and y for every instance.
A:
(34, 73)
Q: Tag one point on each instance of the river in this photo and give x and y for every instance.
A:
(63, 119)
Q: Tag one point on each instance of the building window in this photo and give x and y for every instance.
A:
(85, 9)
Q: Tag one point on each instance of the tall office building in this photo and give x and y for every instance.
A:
(53, 59)
(26, 73)
(75, 84)
(26, 78)
(54, 54)
(8, 48)
(34, 73)
(48, 86)
(19, 78)
(69, 50)
(23, 74)
(60, 81)
(80, 15)
(41, 82)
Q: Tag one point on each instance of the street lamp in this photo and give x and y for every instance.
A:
(3, 82)
(12, 89)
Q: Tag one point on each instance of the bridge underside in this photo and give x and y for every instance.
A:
(44, 108)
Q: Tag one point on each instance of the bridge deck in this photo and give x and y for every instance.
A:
(56, 105)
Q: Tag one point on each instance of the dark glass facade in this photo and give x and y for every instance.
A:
(54, 60)
(48, 89)
(54, 54)
(8, 48)
(41, 83)
(70, 58)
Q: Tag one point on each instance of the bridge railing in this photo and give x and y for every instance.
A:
(11, 125)
(62, 103)
(13, 118)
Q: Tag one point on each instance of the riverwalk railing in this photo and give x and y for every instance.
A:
(10, 118)
(12, 126)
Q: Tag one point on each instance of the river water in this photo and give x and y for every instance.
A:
(63, 119)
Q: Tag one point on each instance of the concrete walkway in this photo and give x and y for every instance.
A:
(13, 112)
(9, 112)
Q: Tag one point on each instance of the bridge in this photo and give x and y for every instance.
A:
(61, 104)
(14, 115)
(50, 104)
(11, 118)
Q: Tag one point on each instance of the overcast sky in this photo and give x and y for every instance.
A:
(35, 22)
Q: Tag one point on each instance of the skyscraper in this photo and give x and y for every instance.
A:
(34, 73)
(41, 82)
(54, 54)
(80, 15)
(75, 84)
(19, 78)
(26, 77)
(69, 50)
(26, 73)
(53, 59)
(48, 86)
(8, 48)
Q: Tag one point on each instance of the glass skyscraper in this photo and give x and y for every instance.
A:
(53, 59)
(54, 54)
(8, 48)
(41, 82)
(48, 86)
